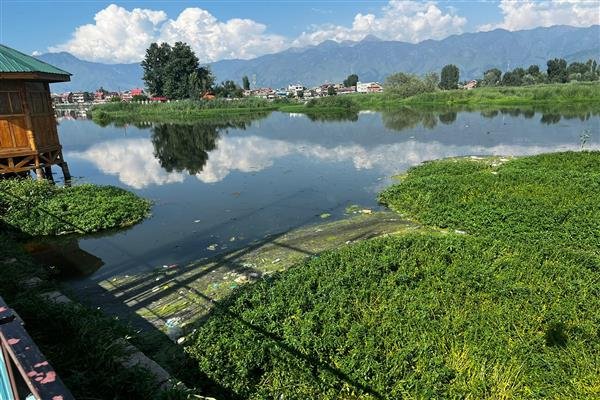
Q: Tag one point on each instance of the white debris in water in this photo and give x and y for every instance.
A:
(366, 211)
(196, 221)
(212, 247)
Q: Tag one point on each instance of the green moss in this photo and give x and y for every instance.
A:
(508, 310)
(40, 208)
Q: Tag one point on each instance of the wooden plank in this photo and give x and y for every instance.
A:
(35, 369)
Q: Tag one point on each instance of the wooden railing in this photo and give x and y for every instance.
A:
(24, 371)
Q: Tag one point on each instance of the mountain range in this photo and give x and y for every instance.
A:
(371, 59)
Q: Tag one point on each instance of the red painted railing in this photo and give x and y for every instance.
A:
(30, 375)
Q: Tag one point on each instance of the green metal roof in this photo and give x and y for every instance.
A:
(12, 60)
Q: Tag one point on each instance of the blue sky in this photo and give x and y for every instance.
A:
(119, 31)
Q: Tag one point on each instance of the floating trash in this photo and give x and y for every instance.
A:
(366, 211)
(325, 215)
(196, 221)
(212, 247)
(174, 330)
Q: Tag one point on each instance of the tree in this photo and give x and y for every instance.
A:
(557, 70)
(528, 79)
(200, 82)
(577, 68)
(246, 83)
(512, 78)
(450, 76)
(182, 62)
(228, 89)
(406, 85)
(533, 70)
(351, 80)
(154, 65)
(492, 77)
(431, 82)
(331, 90)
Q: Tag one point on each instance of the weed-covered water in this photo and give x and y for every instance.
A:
(217, 187)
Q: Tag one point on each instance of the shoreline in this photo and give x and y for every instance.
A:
(566, 95)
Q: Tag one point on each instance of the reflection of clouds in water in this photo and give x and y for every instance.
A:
(255, 153)
(245, 154)
(132, 160)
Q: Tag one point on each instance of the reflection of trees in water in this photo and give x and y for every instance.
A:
(184, 147)
(550, 119)
(448, 118)
(410, 117)
(181, 147)
(333, 116)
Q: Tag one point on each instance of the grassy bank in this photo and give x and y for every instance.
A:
(550, 94)
(40, 208)
(585, 93)
(184, 110)
(499, 298)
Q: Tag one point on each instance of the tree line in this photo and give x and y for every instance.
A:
(557, 71)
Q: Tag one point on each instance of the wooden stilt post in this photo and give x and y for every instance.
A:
(66, 173)
(48, 173)
(38, 169)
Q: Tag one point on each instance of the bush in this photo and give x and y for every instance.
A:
(40, 208)
(407, 85)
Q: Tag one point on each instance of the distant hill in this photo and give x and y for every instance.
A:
(372, 59)
(89, 76)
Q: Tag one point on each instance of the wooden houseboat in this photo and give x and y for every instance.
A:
(28, 135)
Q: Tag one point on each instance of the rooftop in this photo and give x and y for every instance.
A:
(15, 62)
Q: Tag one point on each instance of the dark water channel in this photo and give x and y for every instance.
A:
(219, 186)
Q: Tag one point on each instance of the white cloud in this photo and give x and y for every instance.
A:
(409, 21)
(120, 35)
(527, 14)
(132, 160)
(213, 40)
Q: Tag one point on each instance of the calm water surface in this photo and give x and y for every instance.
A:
(221, 186)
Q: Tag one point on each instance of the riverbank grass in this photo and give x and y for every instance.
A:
(41, 208)
(497, 298)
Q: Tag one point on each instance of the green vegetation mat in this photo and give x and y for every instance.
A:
(504, 303)
(41, 208)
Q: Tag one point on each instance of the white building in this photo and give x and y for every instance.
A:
(294, 89)
(369, 87)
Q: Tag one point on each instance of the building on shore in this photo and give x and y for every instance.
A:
(369, 87)
(28, 134)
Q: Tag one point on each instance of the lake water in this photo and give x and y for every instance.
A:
(219, 186)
